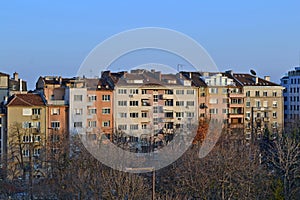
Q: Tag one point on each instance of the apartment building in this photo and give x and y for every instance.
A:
(10, 86)
(263, 106)
(218, 85)
(199, 83)
(26, 135)
(52, 88)
(291, 82)
(147, 102)
(99, 107)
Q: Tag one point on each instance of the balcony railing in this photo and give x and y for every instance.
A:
(58, 102)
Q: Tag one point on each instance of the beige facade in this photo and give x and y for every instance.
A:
(26, 136)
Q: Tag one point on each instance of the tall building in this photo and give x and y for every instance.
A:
(52, 88)
(291, 82)
(147, 102)
(263, 105)
(26, 136)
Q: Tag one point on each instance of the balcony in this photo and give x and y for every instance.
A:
(168, 96)
(58, 102)
(236, 95)
(236, 115)
(235, 105)
(35, 117)
(266, 119)
(241, 126)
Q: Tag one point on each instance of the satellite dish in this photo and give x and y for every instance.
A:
(253, 72)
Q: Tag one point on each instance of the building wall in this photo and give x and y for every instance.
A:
(264, 110)
(77, 109)
(30, 139)
(151, 100)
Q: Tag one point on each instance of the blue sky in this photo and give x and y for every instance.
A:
(53, 37)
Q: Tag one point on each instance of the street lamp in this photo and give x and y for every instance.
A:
(139, 169)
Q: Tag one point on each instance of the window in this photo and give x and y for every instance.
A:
(257, 103)
(134, 115)
(107, 124)
(78, 111)
(134, 103)
(133, 91)
(144, 114)
(92, 98)
(168, 91)
(92, 124)
(122, 91)
(213, 90)
(248, 94)
(155, 121)
(225, 100)
(106, 97)
(274, 94)
(144, 91)
(155, 109)
(190, 103)
(190, 92)
(274, 114)
(77, 97)
(224, 111)
(257, 93)
(179, 103)
(213, 111)
(169, 102)
(265, 104)
(27, 138)
(275, 104)
(55, 125)
(190, 114)
(265, 94)
(105, 110)
(26, 152)
(78, 124)
(224, 91)
(169, 115)
(122, 127)
(248, 115)
(36, 111)
(92, 111)
(155, 98)
(144, 126)
(55, 111)
(179, 114)
(122, 103)
(213, 101)
(180, 92)
(122, 115)
(134, 126)
(37, 152)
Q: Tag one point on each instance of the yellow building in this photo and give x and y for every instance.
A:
(26, 136)
(263, 106)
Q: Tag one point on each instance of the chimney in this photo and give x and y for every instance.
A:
(267, 78)
(256, 79)
(21, 85)
(16, 76)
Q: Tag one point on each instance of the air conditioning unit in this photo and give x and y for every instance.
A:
(247, 118)
(130, 96)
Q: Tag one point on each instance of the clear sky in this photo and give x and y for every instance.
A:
(53, 37)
